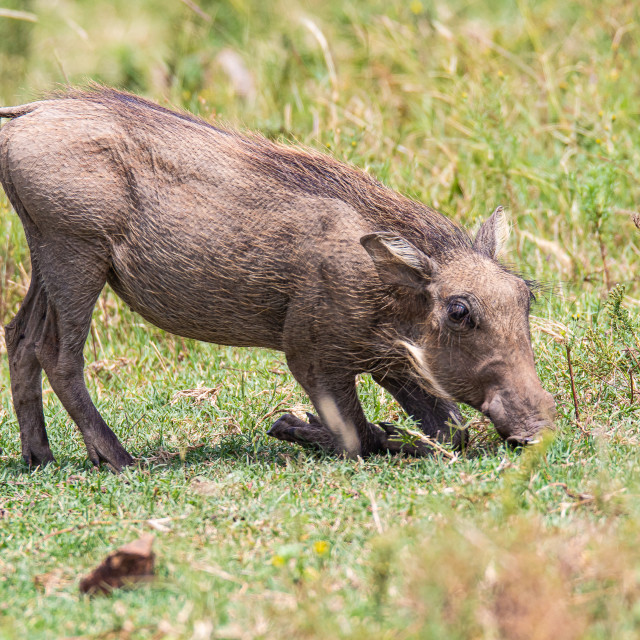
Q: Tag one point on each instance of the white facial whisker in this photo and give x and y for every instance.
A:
(422, 368)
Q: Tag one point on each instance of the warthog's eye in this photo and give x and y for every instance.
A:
(458, 313)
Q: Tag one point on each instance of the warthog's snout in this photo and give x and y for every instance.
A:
(519, 418)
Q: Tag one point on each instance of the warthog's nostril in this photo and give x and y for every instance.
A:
(495, 411)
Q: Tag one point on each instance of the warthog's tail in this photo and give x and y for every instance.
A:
(16, 112)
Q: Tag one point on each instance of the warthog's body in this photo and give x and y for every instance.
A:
(239, 241)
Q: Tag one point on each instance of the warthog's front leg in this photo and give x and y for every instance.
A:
(384, 437)
(312, 434)
(438, 418)
(341, 427)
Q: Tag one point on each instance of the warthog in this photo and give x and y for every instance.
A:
(232, 239)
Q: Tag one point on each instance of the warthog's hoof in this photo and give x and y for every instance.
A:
(312, 434)
(108, 450)
(37, 456)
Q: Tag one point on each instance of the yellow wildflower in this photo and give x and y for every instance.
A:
(321, 547)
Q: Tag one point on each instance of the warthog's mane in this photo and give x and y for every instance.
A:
(319, 174)
(301, 169)
(123, 101)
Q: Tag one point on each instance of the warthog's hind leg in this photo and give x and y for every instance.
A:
(21, 335)
(74, 274)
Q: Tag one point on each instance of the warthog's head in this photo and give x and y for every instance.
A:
(467, 329)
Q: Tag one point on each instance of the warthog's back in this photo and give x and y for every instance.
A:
(201, 242)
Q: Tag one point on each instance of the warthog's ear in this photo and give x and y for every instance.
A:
(398, 262)
(492, 234)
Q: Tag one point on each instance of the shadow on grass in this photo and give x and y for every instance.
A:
(152, 457)
(241, 448)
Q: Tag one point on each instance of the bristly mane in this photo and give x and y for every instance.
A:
(319, 174)
(109, 97)
(301, 169)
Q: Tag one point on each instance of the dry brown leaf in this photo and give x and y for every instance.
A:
(132, 562)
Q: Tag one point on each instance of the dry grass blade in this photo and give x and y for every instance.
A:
(331, 67)
(102, 523)
(583, 497)
(196, 9)
(272, 412)
(239, 75)
(438, 447)
(162, 455)
(12, 14)
(375, 513)
(160, 357)
(553, 328)
(418, 435)
(550, 247)
(78, 527)
(199, 394)
(482, 435)
(51, 582)
(219, 573)
(110, 366)
(579, 499)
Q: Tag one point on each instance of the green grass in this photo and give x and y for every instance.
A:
(462, 105)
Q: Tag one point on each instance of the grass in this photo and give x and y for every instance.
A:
(465, 106)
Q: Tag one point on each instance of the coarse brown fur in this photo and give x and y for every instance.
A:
(234, 239)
